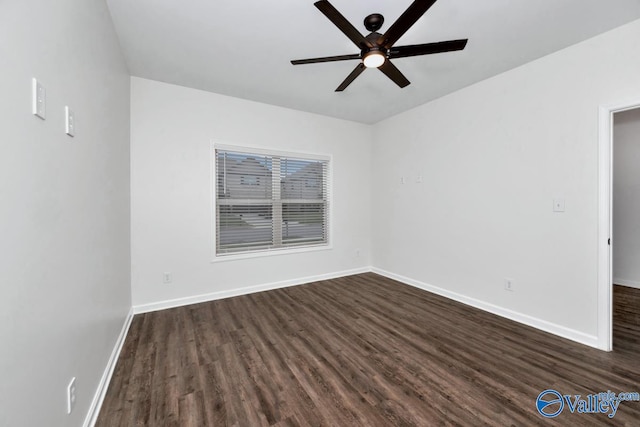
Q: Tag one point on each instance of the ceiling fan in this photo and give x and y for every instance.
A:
(377, 50)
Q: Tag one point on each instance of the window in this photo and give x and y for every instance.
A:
(269, 201)
(249, 180)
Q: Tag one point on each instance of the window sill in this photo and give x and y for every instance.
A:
(269, 252)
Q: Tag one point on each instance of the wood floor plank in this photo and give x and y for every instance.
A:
(362, 350)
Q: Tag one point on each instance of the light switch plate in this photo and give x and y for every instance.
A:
(71, 395)
(39, 99)
(69, 121)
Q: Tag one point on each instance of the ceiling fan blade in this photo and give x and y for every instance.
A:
(343, 25)
(351, 77)
(404, 22)
(427, 48)
(326, 59)
(394, 74)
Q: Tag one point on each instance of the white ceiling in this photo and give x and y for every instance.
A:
(243, 48)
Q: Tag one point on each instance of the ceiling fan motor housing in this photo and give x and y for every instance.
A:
(373, 39)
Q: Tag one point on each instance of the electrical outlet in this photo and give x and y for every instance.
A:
(558, 205)
(71, 395)
(166, 277)
(508, 285)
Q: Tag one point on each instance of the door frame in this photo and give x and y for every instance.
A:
(605, 219)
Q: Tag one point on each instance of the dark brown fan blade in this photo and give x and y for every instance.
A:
(427, 48)
(404, 22)
(394, 74)
(351, 77)
(326, 59)
(341, 22)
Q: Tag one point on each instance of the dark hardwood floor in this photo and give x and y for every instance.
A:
(359, 351)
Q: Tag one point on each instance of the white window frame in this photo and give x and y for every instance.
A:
(271, 251)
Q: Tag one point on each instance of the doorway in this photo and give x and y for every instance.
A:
(624, 113)
(625, 247)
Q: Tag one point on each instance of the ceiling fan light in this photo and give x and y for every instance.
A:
(373, 59)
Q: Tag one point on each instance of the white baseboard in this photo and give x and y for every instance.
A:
(543, 325)
(625, 282)
(96, 404)
(179, 302)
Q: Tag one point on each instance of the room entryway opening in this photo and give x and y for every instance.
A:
(625, 243)
(619, 219)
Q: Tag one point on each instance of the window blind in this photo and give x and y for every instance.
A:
(269, 201)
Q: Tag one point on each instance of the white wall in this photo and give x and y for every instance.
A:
(172, 130)
(493, 157)
(626, 198)
(64, 207)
